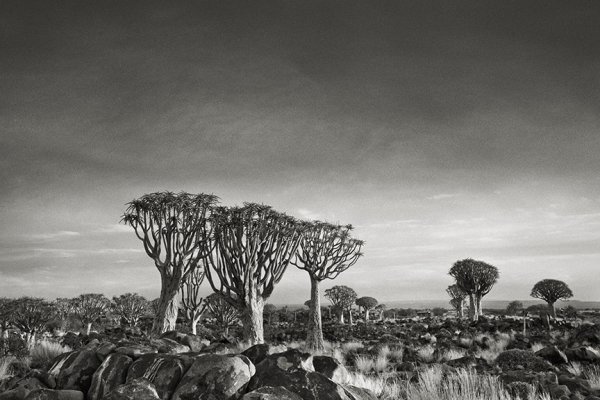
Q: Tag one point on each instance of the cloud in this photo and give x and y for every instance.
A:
(443, 196)
(52, 236)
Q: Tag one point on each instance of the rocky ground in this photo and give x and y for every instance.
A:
(177, 366)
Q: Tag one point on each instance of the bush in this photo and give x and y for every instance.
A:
(13, 345)
(44, 352)
(518, 359)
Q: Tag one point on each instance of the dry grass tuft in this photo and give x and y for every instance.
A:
(45, 351)
(425, 353)
(5, 368)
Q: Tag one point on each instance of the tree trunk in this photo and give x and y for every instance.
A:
(350, 316)
(552, 310)
(195, 320)
(88, 328)
(252, 319)
(479, 308)
(168, 307)
(341, 317)
(366, 315)
(473, 308)
(30, 339)
(314, 338)
(226, 330)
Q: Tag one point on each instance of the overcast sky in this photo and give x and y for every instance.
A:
(441, 130)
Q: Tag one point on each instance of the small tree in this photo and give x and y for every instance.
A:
(6, 312)
(175, 232)
(130, 307)
(570, 312)
(63, 308)
(457, 299)
(224, 314)
(325, 251)
(367, 304)
(89, 308)
(193, 304)
(342, 298)
(270, 309)
(476, 278)
(514, 307)
(253, 247)
(30, 315)
(381, 308)
(551, 290)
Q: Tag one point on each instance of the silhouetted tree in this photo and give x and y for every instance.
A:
(6, 312)
(342, 298)
(551, 290)
(438, 311)
(174, 231)
(191, 301)
(130, 307)
(514, 307)
(89, 307)
(325, 251)
(30, 315)
(476, 278)
(224, 314)
(457, 299)
(253, 247)
(367, 304)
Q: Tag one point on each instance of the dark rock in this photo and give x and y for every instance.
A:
(271, 393)
(553, 355)
(515, 359)
(169, 346)
(75, 370)
(137, 389)
(331, 368)
(14, 394)
(136, 350)
(575, 384)
(213, 376)
(259, 352)
(164, 371)
(111, 373)
(104, 349)
(50, 394)
(582, 353)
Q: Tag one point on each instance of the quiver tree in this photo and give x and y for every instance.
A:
(325, 251)
(30, 315)
(457, 299)
(551, 290)
(514, 307)
(224, 314)
(342, 298)
(175, 232)
(89, 308)
(381, 308)
(130, 307)
(253, 247)
(270, 309)
(192, 303)
(367, 304)
(476, 278)
(63, 310)
(6, 312)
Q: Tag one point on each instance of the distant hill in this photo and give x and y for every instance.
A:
(489, 304)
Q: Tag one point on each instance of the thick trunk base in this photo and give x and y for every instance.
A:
(314, 338)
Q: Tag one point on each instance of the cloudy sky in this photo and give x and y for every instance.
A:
(440, 130)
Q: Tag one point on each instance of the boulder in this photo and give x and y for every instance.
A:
(14, 394)
(50, 394)
(553, 355)
(164, 371)
(331, 368)
(214, 376)
(582, 353)
(135, 351)
(195, 343)
(112, 373)
(75, 371)
(104, 349)
(271, 393)
(169, 346)
(259, 352)
(515, 359)
(137, 389)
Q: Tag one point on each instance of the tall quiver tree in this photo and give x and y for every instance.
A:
(89, 308)
(551, 290)
(175, 231)
(325, 251)
(476, 278)
(30, 315)
(191, 301)
(253, 247)
(457, 299)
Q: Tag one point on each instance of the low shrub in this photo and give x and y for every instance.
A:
(517, 359)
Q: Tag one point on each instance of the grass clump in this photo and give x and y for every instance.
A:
(6, 370)
(45, 351)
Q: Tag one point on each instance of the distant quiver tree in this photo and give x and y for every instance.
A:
(342, 298)
(476, 278)
(457, 299)
(551, 290)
